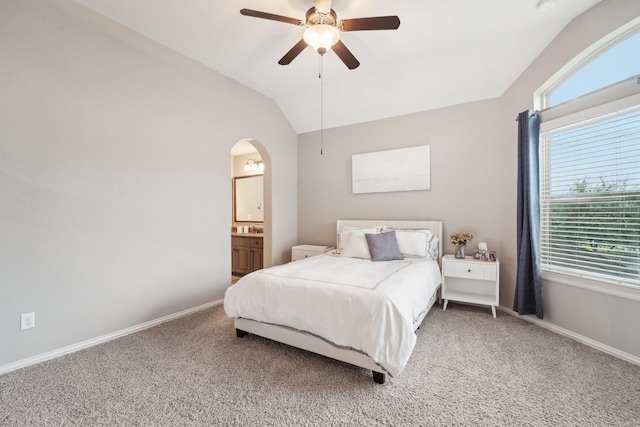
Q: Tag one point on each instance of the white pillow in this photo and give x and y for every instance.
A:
(412, 242)
(342, 237)
(433, 248)
(420, 243)
(355, 244)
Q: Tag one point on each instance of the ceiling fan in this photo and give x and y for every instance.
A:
(323, 30)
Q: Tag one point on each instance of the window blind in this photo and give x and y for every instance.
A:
(590, 197)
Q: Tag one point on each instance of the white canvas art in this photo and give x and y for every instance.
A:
(406, 169)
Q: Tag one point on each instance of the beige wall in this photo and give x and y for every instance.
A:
(473, 182)
(114, 176)
(465, 168)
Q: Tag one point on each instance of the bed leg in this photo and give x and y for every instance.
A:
(240, 333)
(378, 377)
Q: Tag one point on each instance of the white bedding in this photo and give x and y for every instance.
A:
(352, 303)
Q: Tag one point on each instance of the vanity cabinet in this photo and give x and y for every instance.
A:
(246, 254)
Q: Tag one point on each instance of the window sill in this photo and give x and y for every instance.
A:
(609, 288)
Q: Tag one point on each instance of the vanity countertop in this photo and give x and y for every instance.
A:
(236, 234)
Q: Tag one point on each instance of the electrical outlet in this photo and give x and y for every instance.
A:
(27, 321)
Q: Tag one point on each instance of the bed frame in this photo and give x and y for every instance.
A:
(317, 345)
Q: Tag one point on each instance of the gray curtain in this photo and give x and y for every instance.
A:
(528, 296)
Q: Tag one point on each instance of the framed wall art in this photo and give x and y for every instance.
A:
(405, 169)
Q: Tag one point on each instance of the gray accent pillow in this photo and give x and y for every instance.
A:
(383, 246)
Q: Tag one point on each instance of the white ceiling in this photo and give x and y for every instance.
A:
(445, 52)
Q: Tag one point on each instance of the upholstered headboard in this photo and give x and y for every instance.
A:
(434, 226)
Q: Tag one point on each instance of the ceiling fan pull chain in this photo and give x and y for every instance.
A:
(321, 106)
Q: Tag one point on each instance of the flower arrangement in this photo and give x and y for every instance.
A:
(461, 239)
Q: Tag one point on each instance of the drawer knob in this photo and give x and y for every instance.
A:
(469, 271)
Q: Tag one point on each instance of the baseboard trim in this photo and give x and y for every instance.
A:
(580, 338)
(137, 328)
(102, 339)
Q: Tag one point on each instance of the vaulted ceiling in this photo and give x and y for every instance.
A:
(445, 52)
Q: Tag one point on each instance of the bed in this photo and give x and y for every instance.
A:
(360, 304)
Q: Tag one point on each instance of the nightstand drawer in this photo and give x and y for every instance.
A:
(470, 270)
(300, 254)
(307, 251)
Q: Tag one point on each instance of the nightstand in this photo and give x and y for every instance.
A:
(306, 251)
(471, 281)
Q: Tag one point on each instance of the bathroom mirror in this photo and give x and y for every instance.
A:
(248, 200)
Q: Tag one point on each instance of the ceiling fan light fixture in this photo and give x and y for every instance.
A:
(321, 37)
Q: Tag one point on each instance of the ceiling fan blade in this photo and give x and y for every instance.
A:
(377, 23)
(345, 54)
(271, 16)
(323, 6)
(291, 55)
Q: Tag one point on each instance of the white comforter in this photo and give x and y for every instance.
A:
(353, 303)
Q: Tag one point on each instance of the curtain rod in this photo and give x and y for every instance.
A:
(612, 93)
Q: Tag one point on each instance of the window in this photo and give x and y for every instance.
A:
(590, 197)
(590, 171)
(611, 66)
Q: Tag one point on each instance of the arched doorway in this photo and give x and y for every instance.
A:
(250, 208)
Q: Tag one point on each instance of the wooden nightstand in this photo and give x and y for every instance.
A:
(470, 281)
(306, 251)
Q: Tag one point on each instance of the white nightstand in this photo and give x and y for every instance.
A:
(306, 251)
(470, 280)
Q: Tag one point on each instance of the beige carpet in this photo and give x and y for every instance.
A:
(467, 369)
